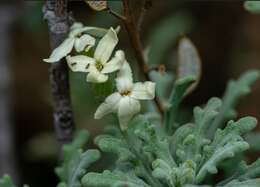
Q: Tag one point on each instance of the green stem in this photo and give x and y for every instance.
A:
(177, 94)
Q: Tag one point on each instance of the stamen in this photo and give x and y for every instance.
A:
(79, 35)
(126, 93)
(99, 65)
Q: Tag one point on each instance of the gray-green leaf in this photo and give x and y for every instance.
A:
(189, 63)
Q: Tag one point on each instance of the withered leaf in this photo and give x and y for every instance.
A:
(97, 5)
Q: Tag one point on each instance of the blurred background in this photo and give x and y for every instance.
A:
(226, 36)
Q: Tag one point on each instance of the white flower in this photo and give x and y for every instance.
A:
(76, 39)
(98, 66)
(126, 102)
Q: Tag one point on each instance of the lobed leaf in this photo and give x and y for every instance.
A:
(190, 143)
(244, 172)
(76, 161)
(112, 179)
(69, 151)
(234, 92)
(118, 146)
(226, 143)
(253, 139)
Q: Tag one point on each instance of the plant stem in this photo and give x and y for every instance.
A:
(134, 36)
(55, 12)
(146, 5)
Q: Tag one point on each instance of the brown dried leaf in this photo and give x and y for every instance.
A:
(189, 63)
(97, 5)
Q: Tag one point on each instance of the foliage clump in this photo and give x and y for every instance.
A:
(148, 155)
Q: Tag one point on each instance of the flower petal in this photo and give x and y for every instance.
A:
(95, 31)
(61, 51)
(143, 90)
(84, 41)
(124, 80)
(76, 29)
(95, 76)
(106, 46)
(79, 63)
(108, 106)
(128, 107)
(76, 25)
(115, 63)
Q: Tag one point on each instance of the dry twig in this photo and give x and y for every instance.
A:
(134, 36)
(55, 12)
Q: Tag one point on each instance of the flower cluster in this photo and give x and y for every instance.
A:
(125, 101)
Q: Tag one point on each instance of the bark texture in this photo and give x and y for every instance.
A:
(55, 12)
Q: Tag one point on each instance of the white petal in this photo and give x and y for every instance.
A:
(79, 63)
(61, 51)
(124, 80)
(125, 72)
(108, 106)
(76, 25)
(115, 63)
(84, 41)
(128, 107)
(106, 46)
(76, 32)
(95, 31)
(95, 76)
(144, 90)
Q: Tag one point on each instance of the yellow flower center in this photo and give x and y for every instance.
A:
(99, 65)
(125, 93)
